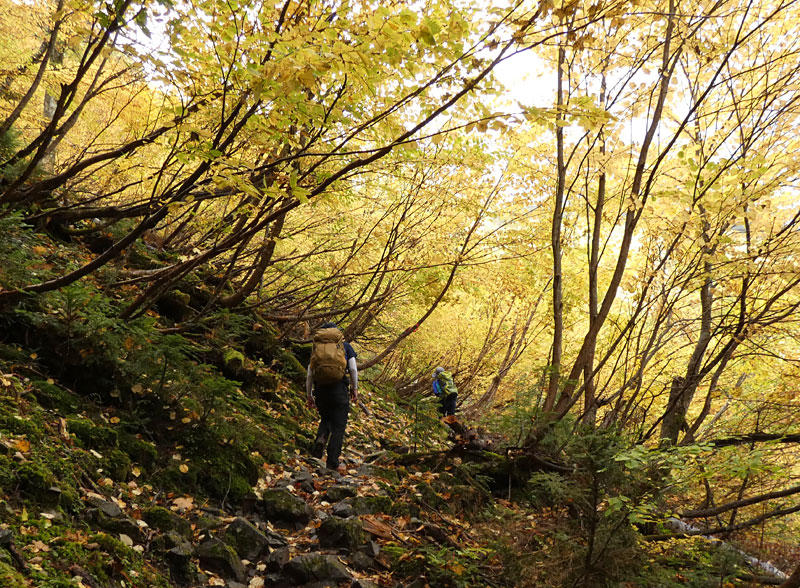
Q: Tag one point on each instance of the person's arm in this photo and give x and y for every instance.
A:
(352, 366)
(309, 386)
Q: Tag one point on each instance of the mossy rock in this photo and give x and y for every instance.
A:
(280, 505)
(302, 351)
(55, 397)
(290, 367)
(372, 504)
(216, 556)
(91, 435)
(165, 520)
(139, 257)
(316, 567)
(116, 464)
(141, 452)
(246, 539)
(343, 533)
(393, 474)
(171, 479)
(35, 479)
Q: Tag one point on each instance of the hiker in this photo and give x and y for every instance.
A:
(444, 388)
(327, 383)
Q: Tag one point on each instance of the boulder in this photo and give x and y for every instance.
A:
(216, 556)
(277, 559)
(282, 506)
(361, 561)
(246, 539)
(315, 567)
(339, 492)
(372, 504)
(121, 525)
(164, 520)
(275, 540)
(179, 561)
(343, 509)
(341, 533)
(107, 507)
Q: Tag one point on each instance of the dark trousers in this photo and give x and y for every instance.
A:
(448, 406)
(333, 404)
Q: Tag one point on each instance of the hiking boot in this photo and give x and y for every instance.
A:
(318, 449)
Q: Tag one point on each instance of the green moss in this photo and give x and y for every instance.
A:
(34, 478)
(141, 452)
(12, 424)
(290, 367)
(13, 354)
(232, 358)
(9, 577)
(55, 397)
(91, 435)
(116, 464)
(172, 479)
(8, 474)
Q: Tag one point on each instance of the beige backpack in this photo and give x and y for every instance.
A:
(328, 360)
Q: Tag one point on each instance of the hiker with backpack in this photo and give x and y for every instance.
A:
(331, 372)
(444, 388)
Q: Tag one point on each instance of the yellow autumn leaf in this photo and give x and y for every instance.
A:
(136, 472)
(22, 445)
(114, 420)
(183, 468)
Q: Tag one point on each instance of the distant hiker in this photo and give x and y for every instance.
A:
(444, 388)
(331, 371)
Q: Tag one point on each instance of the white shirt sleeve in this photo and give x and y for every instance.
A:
(309, 382)
(353, 367)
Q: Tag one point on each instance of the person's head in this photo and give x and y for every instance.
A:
(437, 371)
(329, 325)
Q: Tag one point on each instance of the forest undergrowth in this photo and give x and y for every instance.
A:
(135, 454)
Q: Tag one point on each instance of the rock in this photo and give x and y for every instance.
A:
(168, 541)
(363, 583)
(277, 559)
(208, 523)
(282, 506)
(361, 561)
(214, 555)
(123, 525)
(6, 536)
(344, 533)
(343, 509)
(372, 549)
(315, 567)
(106, 507)
(232, 584)
(372, 504)
(165, 520)
(339, 492)
(246, 539)
(181, 569)
(275, 540)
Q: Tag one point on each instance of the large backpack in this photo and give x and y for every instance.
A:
(447, 384)
(328, 360)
